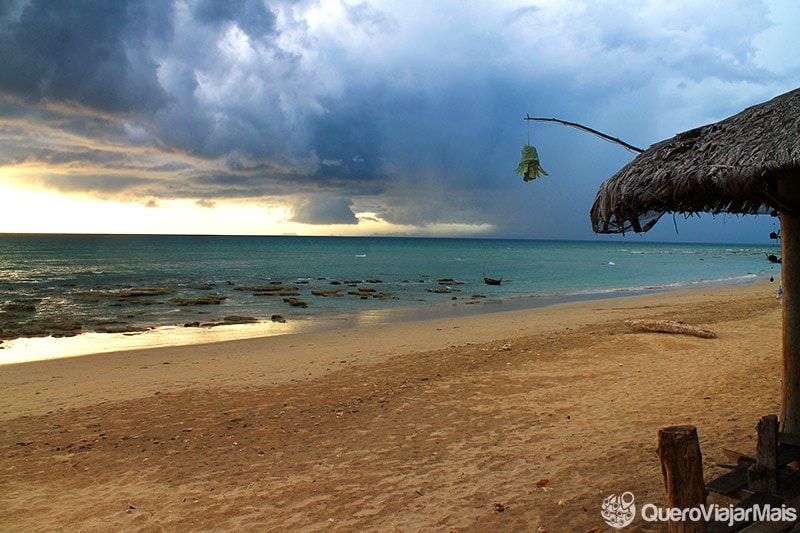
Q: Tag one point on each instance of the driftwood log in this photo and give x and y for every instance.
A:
(669, 326)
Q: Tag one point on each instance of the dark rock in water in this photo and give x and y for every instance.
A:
(442, 291)
(374, 281)
(32, 330)
(130, 293)
(147, 291)
(227, 321)
(66, 325)
(120, 329)
(352, 281)
(448, 281)
(27, 306)
(42, 327)
(205, 300)
(294, 302)
(367, 292)
(6, 315)
(334, 282)
(270, 290)
(143, 301)
(237, 319)
(326, 292)
(284, 291)
(278, 318)
(476, 296)
(206, 287)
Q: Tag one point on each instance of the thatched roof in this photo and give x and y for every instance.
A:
(731, 166)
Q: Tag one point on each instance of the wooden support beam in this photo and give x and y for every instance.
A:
(789, 189)
(763, 475)
(682, 468)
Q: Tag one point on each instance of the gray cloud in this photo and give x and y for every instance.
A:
(411, 112)
(323, 210)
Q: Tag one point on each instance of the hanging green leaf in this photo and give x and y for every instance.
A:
(529, 165)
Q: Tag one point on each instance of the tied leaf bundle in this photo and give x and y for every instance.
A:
(529, 165)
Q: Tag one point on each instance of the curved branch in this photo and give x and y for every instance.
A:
(589, 130)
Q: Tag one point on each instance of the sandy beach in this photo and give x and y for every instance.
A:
(516, 421)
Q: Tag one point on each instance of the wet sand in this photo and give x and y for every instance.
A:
(518, 421)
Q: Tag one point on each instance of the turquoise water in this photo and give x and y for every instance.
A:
(89, 278)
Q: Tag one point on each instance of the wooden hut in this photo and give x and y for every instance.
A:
(745, 164)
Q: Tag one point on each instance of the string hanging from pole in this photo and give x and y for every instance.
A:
(529, 131)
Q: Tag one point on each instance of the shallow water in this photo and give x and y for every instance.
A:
(120, 283)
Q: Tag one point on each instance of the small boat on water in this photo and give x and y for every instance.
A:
(492, 281)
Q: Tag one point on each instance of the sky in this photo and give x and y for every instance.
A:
(381, 117)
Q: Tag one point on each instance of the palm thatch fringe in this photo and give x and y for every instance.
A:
(731, 166)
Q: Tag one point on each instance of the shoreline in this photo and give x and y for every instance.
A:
(27, 349)
(292, 356)
(511, 421)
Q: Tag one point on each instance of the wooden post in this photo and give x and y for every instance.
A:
(763, 475)
(789, 190)
(682, 468)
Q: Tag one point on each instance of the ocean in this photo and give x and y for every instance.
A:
(111, 287)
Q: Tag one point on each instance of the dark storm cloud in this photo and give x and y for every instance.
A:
(89, 52)
(252, 16)
(409, 111)
(324, 210)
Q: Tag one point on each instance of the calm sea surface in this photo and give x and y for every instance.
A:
(128, 282)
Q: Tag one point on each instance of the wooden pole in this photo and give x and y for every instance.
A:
(763, 475)
(588, 130)
(682, 468)
(789, 190)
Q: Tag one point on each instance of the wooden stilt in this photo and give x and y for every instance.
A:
(789, 189)
(682, 468)
(763, 475)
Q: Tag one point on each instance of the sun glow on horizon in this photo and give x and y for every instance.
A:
(29, 211)
(38, 211)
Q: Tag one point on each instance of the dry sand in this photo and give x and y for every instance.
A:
(520, 421)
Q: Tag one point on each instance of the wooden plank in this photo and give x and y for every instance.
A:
(774, 527)
(731, 482)
(788, 484)
(759, 498)
(787, 453)
(788, 438)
